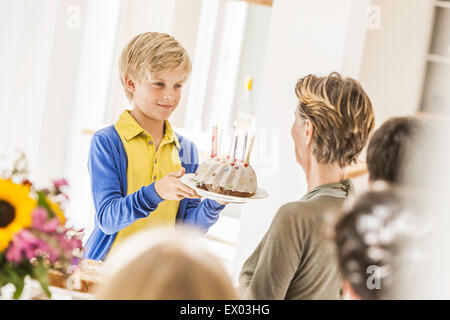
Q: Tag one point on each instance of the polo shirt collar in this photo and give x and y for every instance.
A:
(131, 129)
(170, 135)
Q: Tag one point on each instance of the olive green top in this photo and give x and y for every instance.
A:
(295, 259)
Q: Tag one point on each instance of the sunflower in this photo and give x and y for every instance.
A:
(15, 210)
(57, 211)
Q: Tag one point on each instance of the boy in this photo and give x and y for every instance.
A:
(135, 164)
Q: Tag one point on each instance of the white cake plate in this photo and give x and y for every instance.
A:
(188, 179)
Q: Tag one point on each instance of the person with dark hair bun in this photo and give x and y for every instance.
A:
(377, 245)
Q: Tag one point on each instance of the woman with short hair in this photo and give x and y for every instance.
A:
(333, 121)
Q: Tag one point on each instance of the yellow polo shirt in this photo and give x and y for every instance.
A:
(145, 166)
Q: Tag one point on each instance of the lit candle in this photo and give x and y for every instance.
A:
(250, 150)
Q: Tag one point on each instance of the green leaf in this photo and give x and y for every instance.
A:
(9, 274)
(40, 273)
(42, 202)
(19, 288)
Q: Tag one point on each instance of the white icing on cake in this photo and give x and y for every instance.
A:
(238, 177)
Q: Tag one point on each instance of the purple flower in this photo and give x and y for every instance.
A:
(75, 261)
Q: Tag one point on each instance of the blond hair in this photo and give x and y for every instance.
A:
(166, 263)
(341, 114)
(151, 53)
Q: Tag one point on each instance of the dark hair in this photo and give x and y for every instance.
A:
(375, 239)
(390, 147)
(341, 114)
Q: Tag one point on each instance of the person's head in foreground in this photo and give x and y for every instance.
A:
(377, 245)
(153, 67)
(390, 152)
(166, 264)
(333, 121)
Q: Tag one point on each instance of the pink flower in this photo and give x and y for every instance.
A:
(41, 222)
(27, 245)
(25, 238)
(73, 243)
(50, 226)
(14, 254)
(39, 216)
(23, 244)
(69, 244)
(60, 183)
(53, 253)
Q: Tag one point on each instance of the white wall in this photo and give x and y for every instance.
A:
(393, 60)
(26, 52)
(100, 19)
(62, 76)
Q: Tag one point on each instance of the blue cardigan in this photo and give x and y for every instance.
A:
(115, 210)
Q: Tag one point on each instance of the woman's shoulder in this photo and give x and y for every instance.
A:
(296, 209)
(308, 210)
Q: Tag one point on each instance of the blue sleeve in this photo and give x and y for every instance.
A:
(202, 214)
(113, 211)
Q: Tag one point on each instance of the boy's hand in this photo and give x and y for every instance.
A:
(170, 188)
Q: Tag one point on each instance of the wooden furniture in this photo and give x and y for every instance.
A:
(86, 276)
(356, 171)
(262, 2)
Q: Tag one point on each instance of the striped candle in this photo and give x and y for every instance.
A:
(245, 146)
(235, 148)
